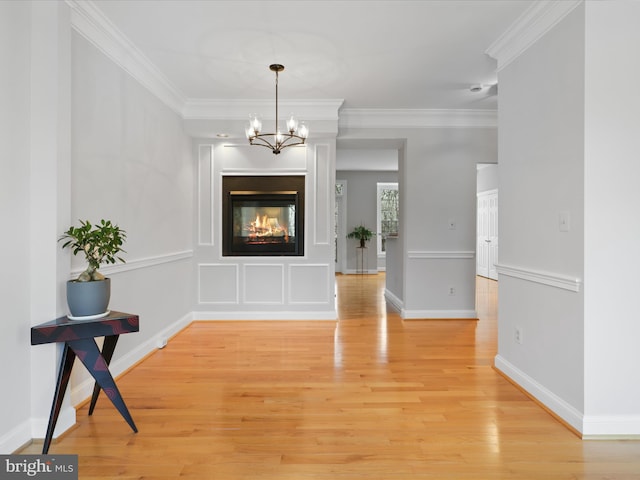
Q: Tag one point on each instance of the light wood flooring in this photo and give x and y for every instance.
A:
(369, 397)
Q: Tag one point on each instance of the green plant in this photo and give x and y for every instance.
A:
(99, 243)
(362, 233)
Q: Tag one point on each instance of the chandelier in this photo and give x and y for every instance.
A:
(297, 132)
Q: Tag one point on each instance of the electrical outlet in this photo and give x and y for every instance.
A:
(518, 335)
(452, 290)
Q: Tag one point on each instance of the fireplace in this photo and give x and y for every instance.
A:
(263, 215)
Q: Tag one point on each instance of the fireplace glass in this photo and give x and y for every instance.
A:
(264, 223)
(263, 220)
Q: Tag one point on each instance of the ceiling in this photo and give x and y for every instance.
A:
(372, 54)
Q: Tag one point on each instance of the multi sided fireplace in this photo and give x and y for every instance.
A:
(263, 215)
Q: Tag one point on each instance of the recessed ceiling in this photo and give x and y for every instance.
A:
(375, 54)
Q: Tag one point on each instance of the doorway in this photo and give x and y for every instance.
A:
(487, 234)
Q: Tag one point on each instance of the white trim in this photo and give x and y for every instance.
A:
(327, 293)
(369, 271)
(549, 399)
(416, 118)
(487, 192)
(84, 390)
(327, 180)
(16, 438)
(611, 427)
(545, 278)
(89, 21)
(236, 109)
(438, 314)
(534, 23)
(138, 264)
(393, 300)
(262, 315)
(211, 194)
(225, 172)
(66, 420)
(451, 255)
(237, 283)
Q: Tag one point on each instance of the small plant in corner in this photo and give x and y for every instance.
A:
(99, 243)
(361, 233)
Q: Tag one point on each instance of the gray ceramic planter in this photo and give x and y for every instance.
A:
(88, 298)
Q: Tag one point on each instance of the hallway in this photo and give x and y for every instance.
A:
(371, 397)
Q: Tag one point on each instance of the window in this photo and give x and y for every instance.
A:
(388, 211)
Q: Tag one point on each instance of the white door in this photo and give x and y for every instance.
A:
(487, 235)
(493, 235)
(340, 241)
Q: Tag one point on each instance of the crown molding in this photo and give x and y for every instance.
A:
(200, 109)
(536, 21)
(89, 21)
(414, 118)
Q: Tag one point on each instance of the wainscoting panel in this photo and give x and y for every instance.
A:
(218, 283)
(263, 284)
(309, 284)
(321, 204)
(205, 195)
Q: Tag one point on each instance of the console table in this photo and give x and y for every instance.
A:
(79, 341)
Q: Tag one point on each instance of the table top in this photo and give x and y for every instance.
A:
(64, 329)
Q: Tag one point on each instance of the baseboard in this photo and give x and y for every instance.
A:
(66, 420)
(16, 438)
(81, 392)
(217, 316)
(360, 272)
(438, 314)
(611, 427)
(556, 405)
(393, 300)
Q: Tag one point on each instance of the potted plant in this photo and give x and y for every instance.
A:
(89, 294)
(361, 233)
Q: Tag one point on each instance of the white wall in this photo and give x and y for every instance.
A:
(104, 149)
(14, 204)
(612, 223)
(265, 287)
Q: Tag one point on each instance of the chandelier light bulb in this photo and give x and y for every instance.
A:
(255, 122)
(292, 124)
(303, 130)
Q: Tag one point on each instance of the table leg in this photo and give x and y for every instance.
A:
(87, 351)
(108, 347)
(68, 356)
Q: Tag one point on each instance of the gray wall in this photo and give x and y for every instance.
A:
(132, 163)
(570, 147)
(541, 174)
(437, 180)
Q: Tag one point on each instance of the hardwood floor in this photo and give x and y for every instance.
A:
(369, 397)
